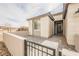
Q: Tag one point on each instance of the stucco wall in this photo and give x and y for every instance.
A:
(51, 28)
(58, 17)
(67, 52)
(46, 27)
(1, 35)
(30, 27)
(14, 43)
(72, 23)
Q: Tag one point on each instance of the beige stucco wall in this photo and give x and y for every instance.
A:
(1, 35)
(51, 28)
(71, 23)
(14, 43)
(58, 17)
(30, 27)
(68, 52)
(76, 41)
(46, 26)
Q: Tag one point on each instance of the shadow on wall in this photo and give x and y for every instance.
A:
(76, 42)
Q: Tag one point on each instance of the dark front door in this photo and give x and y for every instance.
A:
(58, 27)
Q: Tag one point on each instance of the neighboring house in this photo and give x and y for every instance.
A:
(46, 25)
(71, 22)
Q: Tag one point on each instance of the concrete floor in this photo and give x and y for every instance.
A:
(58, 40)
(53, 42)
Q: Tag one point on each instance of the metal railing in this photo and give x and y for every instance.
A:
(35, 49)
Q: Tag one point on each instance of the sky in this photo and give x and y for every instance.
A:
(16, 14)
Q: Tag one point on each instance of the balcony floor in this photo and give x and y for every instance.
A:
(58, 40)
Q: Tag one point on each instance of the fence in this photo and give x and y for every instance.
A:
(35, 49)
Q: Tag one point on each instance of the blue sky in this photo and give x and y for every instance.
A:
(16, 14)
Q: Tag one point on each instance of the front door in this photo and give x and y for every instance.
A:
(58, 27)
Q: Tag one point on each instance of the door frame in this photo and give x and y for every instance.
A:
(56, 26)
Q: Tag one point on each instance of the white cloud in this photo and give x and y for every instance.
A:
(16, 14)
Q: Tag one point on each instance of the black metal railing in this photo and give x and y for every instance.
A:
(35, 49)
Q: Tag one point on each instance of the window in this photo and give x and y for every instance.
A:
(36, 24)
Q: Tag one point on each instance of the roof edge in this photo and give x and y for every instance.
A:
(46, 14)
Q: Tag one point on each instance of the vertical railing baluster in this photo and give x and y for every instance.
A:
(29, 48)
(25, 48)
(34, 50)
(38, 50)
(47, 51)
(42, 51)
(53, 52)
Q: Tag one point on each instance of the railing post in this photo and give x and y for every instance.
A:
(54, 52)
(25, 48)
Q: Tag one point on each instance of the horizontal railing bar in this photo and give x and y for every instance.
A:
(43, 47)
(40, 45)
(35, 46)
(40, 50)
